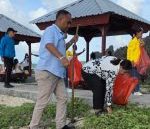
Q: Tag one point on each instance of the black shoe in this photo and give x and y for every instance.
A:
(8, 86)
(68, 127)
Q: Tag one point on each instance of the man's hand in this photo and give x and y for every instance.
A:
(2, 59)
(74, 39)
(64, 61)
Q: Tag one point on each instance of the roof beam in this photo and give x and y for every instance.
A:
(82, 21)
(27, 38)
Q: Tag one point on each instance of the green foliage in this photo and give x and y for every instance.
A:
(81, 109)
(20, 116)
(147, 44)
(111, 48)
(130, 117)
(15, 116)
(121, 52)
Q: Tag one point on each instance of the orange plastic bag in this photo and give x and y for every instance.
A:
(123, 87)
(144, 62)
(77, 71)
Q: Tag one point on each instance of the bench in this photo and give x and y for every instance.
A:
(15, 77)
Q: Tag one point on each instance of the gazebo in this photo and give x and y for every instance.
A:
(96, 18)
(23, 33)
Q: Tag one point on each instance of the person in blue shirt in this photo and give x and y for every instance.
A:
(7, 53)
(51, 70)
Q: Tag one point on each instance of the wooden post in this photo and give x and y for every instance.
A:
(103, 30)
(87, 39)
(30, 61)
(72, 77)
(87, 51)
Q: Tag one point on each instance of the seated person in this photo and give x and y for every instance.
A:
(2, 71)
(25, 63)
(17, 67)
(99, 74)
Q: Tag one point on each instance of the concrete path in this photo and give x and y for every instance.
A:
(29, 91)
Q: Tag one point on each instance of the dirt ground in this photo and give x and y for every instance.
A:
(13, 101)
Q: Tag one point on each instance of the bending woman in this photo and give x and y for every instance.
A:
(99, 74)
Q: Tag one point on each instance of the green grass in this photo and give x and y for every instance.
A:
(147, 81)
(20, 116)
(128, 117)
(146, 88)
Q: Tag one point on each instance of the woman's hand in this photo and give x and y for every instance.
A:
(109, 110)
(142, 44)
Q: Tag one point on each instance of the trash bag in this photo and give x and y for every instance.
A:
(77, 71)
(123, 87)
(144, 62)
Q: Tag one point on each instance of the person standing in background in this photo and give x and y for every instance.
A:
(7, 53)
(134, 52)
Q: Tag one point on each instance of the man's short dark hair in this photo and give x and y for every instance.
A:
(62, 12)
(11, 29)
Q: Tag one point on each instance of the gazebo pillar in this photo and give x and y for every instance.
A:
(30, 61)
(103, 30)
(87, 39)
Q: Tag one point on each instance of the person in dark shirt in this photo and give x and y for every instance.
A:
(7, 53)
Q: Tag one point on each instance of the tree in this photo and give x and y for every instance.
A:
(121, 52)
(111, 48)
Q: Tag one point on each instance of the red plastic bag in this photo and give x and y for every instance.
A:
(123, 87)
(77, 71)
(144, 62)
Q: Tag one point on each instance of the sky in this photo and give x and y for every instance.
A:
(23, 11)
